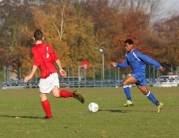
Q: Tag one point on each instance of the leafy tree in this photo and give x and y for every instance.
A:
(77, 29)
(68, 31)
(168, 32)
(3, 58)
(12, 18)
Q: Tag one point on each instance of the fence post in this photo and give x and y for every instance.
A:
(94, 76)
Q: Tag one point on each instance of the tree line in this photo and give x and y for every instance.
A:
(77, 29)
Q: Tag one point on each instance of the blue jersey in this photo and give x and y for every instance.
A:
(136, 61)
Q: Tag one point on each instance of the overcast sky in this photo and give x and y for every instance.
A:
(170, 5)
(167, 9)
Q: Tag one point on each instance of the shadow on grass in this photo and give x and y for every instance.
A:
(28, 117)
(112, 110)
(120, 111)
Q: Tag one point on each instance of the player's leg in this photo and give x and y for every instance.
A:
(61, 93)
(46, 105)
(129, 80)
(66, 94)
(55, 87)
(151, 97)
(45, 88)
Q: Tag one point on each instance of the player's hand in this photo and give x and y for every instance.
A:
(162, 69)
(113, 64)
(27, 78)
(63, 73)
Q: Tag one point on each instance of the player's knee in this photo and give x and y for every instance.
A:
(55, 92)
(43, 96)
(124, 83)
(56, 95)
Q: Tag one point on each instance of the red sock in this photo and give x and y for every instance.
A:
(46, 107)
(65, 94)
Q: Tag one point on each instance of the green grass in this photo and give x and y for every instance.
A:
(21, 115)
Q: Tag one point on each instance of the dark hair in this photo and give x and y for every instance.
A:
(129, 41)
(38, 35)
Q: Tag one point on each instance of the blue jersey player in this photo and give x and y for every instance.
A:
(136, 61)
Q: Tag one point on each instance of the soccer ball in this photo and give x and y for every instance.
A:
(93, 107)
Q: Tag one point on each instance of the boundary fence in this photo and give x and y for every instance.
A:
(80, 77)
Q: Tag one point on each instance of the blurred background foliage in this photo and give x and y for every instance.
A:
(77, 29)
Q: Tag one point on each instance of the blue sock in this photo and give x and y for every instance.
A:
(152, 98)
(127, 92)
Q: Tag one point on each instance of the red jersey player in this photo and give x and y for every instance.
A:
(45, 58)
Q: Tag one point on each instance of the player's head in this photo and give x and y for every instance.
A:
(128, 45)
(129, 41)
(38, 35)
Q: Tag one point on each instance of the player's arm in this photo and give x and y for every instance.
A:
(36, 63)
(27, 78)
(62, 72)
(121, 65)
(149, 60)
(57, 61)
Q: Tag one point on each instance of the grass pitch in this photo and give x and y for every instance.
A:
(21, 115)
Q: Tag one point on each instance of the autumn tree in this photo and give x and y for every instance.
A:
(77, 29)
(67, 30)
(117, 20)
(12, 18)
(168, 32)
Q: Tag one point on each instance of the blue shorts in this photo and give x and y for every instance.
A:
(140, 77)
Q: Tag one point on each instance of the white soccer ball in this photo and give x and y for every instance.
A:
(93, 107)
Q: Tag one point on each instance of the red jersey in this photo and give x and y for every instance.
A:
(44, 57)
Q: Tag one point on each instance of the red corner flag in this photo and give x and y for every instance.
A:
(85, 64)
